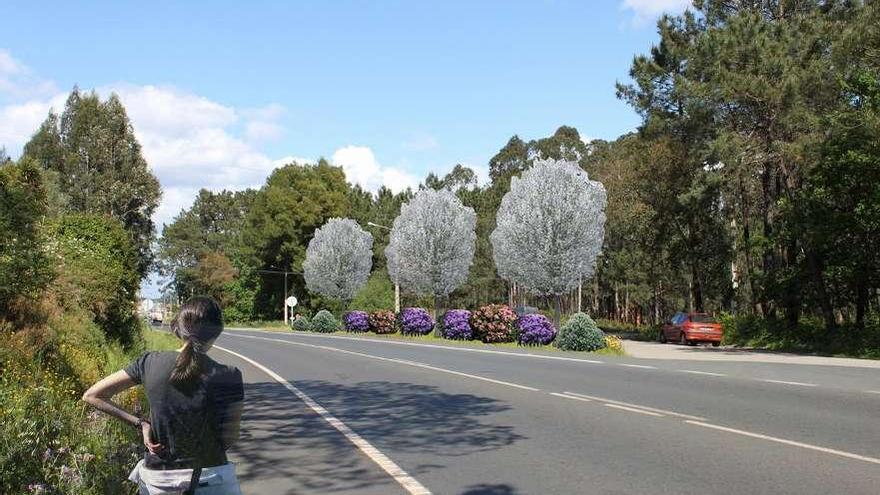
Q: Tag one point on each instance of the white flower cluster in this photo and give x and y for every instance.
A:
(338, 259)
(550, 228)
(432, 243)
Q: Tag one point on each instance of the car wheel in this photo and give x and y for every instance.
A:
(683, 340)
(662, 337)
(716, 344)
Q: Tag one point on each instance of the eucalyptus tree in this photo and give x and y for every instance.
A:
(338, 259)
(550, 228)
(432, 244)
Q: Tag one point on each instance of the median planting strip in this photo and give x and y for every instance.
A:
(411, 484)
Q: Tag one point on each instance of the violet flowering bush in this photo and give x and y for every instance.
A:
(415, 321)
(356, 321)
(535, 329)
(457, 325)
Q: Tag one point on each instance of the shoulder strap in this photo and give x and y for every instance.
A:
(193, 481)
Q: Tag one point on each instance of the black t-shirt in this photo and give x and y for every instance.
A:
(188, 421)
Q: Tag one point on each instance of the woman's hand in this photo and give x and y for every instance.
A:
(147, 432)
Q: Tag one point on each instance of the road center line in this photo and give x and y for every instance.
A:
(632, 409)
(398, 361)
(841, 453)
(707, 373)
(433, 346)
(564, 396)
(642, 366)
(783, 382)
(628, 404)
(872, 391)
(408, 483)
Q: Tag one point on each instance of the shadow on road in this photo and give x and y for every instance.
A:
(287, 448)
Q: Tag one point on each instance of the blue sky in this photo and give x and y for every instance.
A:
(221, 92)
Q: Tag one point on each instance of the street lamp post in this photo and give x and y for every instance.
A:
(396, 285)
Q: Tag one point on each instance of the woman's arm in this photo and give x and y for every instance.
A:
(99, 396)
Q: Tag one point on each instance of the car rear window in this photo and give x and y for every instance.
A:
(703, 319)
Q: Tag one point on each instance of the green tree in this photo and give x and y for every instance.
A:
(100, 167)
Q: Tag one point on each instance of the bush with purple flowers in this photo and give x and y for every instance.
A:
(494, 323)
(356, 321)
(457, 325)
(535, 329)
(382, 321)
(415, 321)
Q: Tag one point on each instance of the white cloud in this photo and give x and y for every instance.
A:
(360, 167)
(648, 10)
(17, 81)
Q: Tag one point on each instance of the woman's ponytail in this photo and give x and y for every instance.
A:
(198, 323)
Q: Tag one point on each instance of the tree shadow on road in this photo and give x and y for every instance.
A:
(287, 448)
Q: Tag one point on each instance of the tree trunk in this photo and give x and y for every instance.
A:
(557, 313)
(817, 273)
(861, 301)
(436, 314)
(696, 290)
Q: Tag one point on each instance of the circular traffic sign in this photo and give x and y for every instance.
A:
(291, 301)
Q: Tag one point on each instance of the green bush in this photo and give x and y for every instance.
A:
(302, 324)
(324, 322)
(377, 294)
(580, 333)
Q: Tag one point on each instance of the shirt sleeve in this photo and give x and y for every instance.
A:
(137, 368)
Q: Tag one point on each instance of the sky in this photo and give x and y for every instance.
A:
(220, 93)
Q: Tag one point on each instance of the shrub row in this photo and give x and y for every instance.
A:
(493, 323)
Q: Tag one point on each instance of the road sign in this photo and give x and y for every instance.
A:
(291, 301)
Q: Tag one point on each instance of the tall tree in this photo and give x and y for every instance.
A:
(338, 259)
(100, 166)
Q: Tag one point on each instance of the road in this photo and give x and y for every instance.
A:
(327, 414)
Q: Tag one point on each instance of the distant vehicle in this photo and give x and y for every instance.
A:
(690, 328)
(156, 318)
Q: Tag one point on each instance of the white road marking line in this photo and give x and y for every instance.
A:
(707, 373)
(409, 483)
(783, 382)
(584, 399)
(628, 404)
(399, 361)
(434, 346)
(792, 443)
(632, 409)
(872, 391)
(642, 366)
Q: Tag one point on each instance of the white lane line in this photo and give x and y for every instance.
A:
(783, 382)
(642, 366)
(632, 409)
(564, 396)
(409, 483)
(841, 453)
(707, 373)
(872, 391)
(398, 361)
(639, 406)
(432, 346)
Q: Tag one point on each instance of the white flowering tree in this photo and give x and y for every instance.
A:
(432, 244)
(550, 229)
(338, 259)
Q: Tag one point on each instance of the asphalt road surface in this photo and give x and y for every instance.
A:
(328, 415)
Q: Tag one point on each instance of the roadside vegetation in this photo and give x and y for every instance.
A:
(72, 255)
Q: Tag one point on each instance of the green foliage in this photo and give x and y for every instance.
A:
(302, 324)
(377, 294)
(324, 322)
(25, 267)
(97, 271)
(580, 333)
(100, 167)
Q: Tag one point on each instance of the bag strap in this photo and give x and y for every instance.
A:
(193, 481)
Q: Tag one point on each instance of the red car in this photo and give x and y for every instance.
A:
(690, 328)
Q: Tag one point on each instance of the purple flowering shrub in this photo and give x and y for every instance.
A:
(382, 321)
(494, 323)
(535, 329)
(356, 321)
(457, 325)
(415, 321)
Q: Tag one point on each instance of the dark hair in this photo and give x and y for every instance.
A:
(199, 321)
